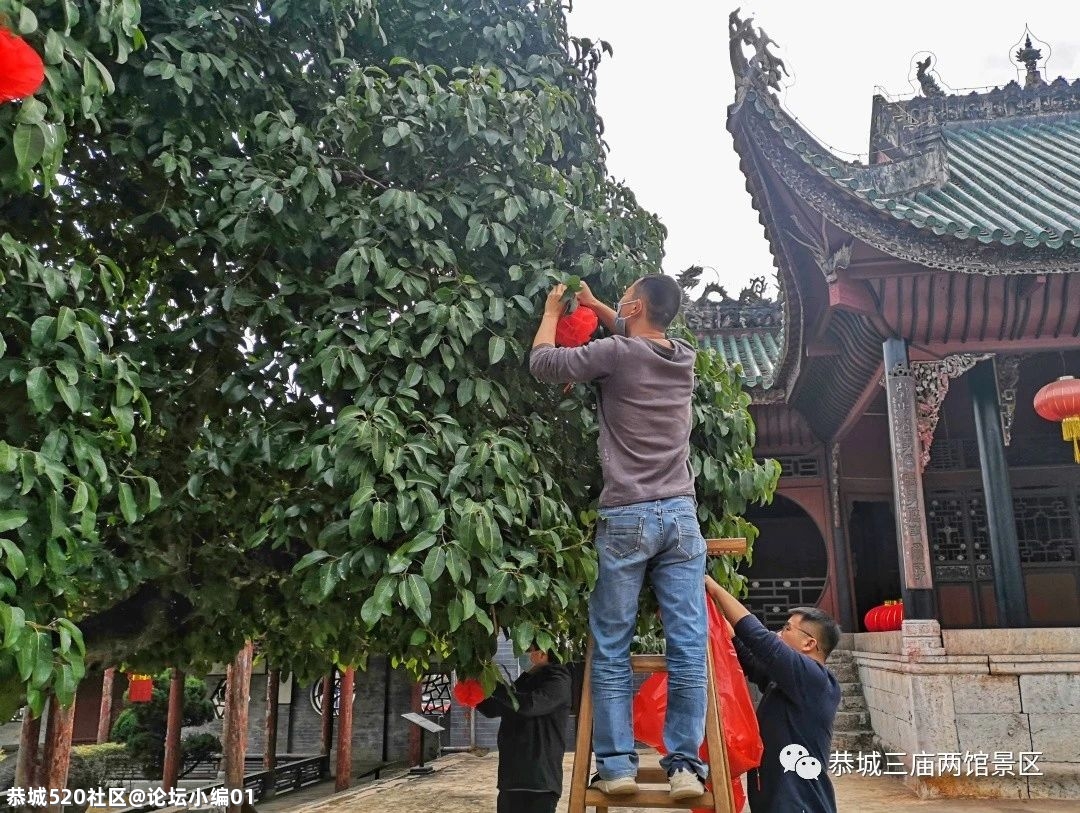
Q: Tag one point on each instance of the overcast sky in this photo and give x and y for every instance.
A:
(664, 94)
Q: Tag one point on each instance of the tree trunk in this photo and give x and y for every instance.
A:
(174, 723)
(237, 695)
(273, 678)
(29, 736)
(343, 775)
(104, 725)
(327, 713)
(57, 748)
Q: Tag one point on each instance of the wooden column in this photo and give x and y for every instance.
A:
(343, 774)
(917, 582)
(1009, 589)
(841, 551)
(57, 759)
(237, 695)
(328, 715)
(174, 722)
(29, 736)
(104, 725)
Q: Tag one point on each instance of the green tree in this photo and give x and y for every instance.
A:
(309, 238)
(141, 727)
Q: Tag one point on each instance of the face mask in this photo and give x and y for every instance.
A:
(620, 321)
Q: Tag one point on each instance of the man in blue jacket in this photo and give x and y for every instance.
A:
(799, 703)
(532, 735)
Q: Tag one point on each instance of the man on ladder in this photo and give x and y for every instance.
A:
(648, 522)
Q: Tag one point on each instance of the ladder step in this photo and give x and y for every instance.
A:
(658, 799)
(652, 776)
(648, 663)
(735, 546)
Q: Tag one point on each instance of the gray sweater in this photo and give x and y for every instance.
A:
(644, 412)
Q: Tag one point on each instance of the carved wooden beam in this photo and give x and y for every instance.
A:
(1008, 377)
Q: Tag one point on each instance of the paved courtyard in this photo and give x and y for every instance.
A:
(464, 783)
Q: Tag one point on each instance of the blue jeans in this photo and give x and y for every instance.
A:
(661, 538)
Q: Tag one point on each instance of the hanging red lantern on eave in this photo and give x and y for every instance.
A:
(21, 69)
(1059, 401)
(140, 688)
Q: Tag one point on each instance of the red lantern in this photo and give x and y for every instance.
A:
(1059, 401)
(575, 329)
(140, 688)
(21, 69)
(886, 617)
(469, 692)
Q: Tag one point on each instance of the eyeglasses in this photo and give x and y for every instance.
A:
(790, 626)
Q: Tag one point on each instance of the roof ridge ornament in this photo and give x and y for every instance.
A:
(1030, 56)
(763, 68)
(927, 82)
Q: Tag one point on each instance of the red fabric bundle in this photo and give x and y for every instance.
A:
(575, 329)
(21, 69)
(469, 692)
(741, 735)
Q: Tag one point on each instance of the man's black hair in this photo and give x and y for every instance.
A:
(828, 631)
(663, 298)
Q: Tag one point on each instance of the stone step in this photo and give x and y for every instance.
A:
(850, 701)
(853, 742)
(845, 672)
(852, 721)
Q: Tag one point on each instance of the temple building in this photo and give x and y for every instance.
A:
(924, 298)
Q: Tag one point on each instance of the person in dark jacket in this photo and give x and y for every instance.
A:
(532, 736)
(798, 706)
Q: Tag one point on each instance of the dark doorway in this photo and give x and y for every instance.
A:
(790, 563)
(875, 564)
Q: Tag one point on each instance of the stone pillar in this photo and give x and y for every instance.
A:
(1001, 522)
(173, 723)
(343, 774)
(104, 725)
(917, 585)
(237, 695)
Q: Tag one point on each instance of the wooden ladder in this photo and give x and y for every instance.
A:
(719, 799)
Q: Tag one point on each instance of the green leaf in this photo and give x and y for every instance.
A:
(496, 348)
(465, 391)
(37, 388)
(419, 600)
(29, 145)
(65, 323)
(11, 519)
(153, 499)
(310, 558)
(127, 503)
(82, 497)
(380, 520)
(434, 565)
(500, 581)
(14, 559)
(14, 620)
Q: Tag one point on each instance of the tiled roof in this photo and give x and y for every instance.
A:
(757, 352)
(1009, 181)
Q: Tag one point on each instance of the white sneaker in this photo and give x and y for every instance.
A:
(623, 786)
(685, 785)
